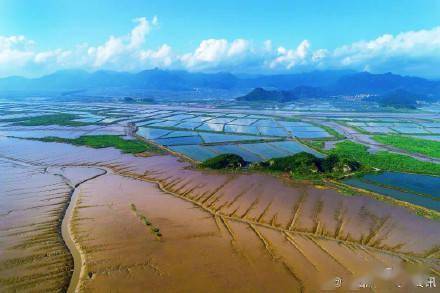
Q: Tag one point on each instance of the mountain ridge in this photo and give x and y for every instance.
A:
(334, 82)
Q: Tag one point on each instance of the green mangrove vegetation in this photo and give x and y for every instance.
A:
(307, 165)
(300, 165)
(224, 161)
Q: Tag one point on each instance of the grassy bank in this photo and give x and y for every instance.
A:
(411, 144)
(333, 132)
(317, 145)
(384, 160)
(105, 141)
(62, 119)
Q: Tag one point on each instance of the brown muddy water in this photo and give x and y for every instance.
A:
(155, 224)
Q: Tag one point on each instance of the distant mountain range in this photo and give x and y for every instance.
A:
(397, 98)
(297, 85)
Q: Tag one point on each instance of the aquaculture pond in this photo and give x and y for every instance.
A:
(252, 152)
(396, 126)
(202, 135)
(422, 190)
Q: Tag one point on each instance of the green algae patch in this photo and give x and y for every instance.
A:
(105, 141)
(62, 119)
(154, 230)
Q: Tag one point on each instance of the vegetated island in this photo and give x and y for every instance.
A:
(300, 165)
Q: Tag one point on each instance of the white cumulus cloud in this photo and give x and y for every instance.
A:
(288, 58)
(403, 53)
(161, 57)
(218, 53)
(118, 48)
(15, 51)
(412, 52)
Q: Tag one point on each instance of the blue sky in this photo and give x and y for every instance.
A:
(38, 37)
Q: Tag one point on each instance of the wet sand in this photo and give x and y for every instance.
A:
(246, 232)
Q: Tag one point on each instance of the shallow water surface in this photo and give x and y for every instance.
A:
(418, 189)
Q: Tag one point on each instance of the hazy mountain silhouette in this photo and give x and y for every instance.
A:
(299, 85)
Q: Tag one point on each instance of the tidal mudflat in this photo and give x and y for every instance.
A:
(157, 224)
(33, 202)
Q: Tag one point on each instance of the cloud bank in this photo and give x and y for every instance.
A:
(412, 52)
